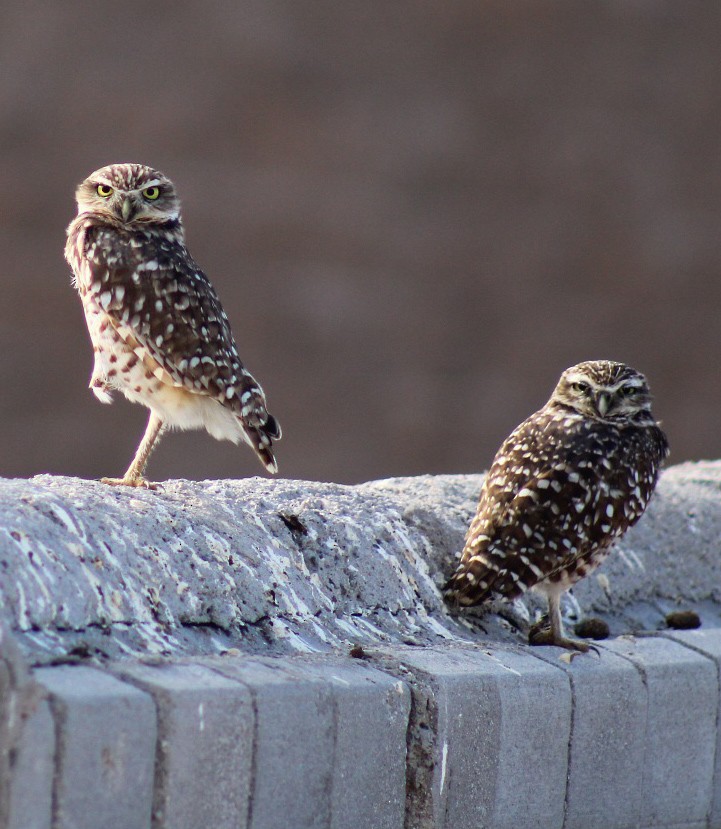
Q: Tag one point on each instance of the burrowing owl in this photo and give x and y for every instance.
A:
(159, 333)
(564, 485)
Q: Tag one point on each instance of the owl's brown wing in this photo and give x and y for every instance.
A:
(161, 303)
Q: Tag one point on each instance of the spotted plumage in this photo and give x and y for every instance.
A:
(159, 333)
(564, 485)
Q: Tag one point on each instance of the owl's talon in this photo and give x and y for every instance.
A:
(545, 636)
(133, 482)
(102, 393)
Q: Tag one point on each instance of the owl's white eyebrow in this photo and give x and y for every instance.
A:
(582, 378)
(633, 383)
(154, 183)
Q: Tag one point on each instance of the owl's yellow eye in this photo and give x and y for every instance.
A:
(104, 190)
(151, 193)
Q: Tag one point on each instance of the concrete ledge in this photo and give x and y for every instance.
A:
(268, 654)
(708, 642)
(428, 737)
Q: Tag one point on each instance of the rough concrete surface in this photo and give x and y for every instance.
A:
(270, 653)
(200, 567)
(291, 566)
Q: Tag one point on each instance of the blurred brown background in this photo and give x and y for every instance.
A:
(416, 215)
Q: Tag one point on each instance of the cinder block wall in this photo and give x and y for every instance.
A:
(276, 654)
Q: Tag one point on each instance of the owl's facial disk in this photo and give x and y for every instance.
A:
(128, 193)
(619, 396)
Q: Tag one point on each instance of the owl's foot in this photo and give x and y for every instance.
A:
(545, 636)
(101, 390)
(134, 475)
(136, 482)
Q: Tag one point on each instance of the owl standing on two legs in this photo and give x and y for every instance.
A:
(159, 333)
(564, 485)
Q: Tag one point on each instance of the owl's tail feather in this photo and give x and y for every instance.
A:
(272, 428)
(261, 440)
(466, 587)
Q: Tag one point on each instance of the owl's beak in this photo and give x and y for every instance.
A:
(602, 403)
(128, 209)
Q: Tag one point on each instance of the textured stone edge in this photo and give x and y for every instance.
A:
(419, 738)
(467, 732)
(282, 566)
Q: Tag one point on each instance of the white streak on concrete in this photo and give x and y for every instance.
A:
(444, 761)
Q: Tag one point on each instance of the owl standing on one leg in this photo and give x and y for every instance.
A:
(563, 487)
(159, 333)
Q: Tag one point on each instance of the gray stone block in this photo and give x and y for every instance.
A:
(708, 642)
(205, 745)
(371, 709)
(488, 738)
(293, 747)
(23, 755)
(608, 742)
(106, 741)
(330, 742)
(31, 786)
(682, 691)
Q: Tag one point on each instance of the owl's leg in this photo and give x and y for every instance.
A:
(554, 635)
(134, 475)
